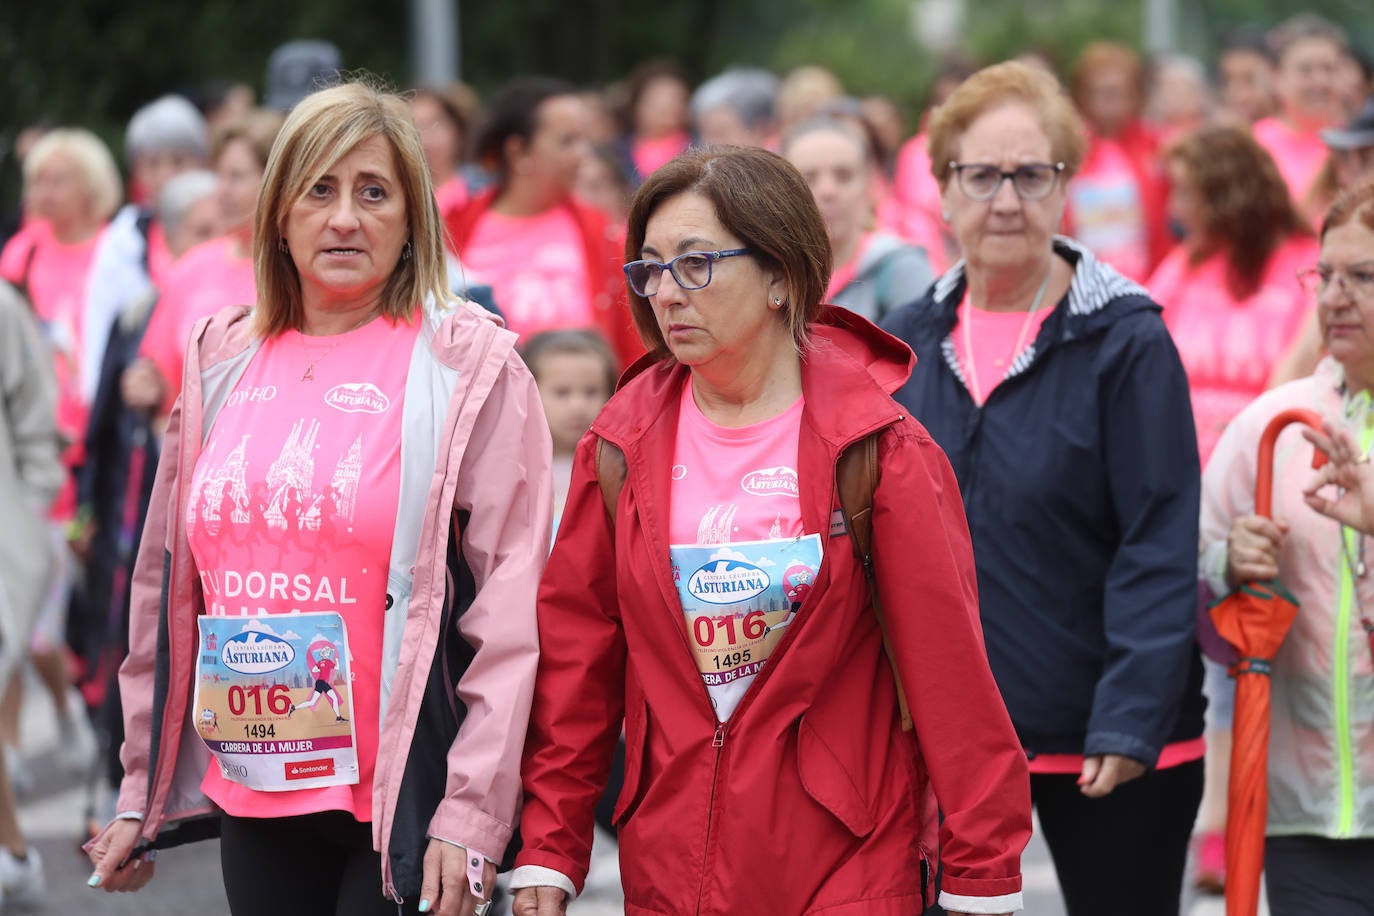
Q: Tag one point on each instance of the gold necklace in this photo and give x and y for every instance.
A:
(309, 374)
(972, 368)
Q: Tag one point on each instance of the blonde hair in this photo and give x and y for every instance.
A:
(322, 129)
(1009, 83)
(93, 161)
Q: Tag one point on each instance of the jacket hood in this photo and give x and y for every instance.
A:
(1098, 295)
(850, 369)
(230, 331)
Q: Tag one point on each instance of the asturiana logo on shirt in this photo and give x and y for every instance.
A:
(727, 582)
(256, 653)
(357, 397)
(771, 482)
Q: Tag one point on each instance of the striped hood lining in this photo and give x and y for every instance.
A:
(1095, 284)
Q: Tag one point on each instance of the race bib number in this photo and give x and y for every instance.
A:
(739, 600)
(274, 700)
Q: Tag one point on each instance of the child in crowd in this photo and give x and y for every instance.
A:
(576, 373)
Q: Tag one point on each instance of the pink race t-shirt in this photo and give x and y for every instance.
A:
(735, 526)
(917, 194)
(1108, 213)
(650, 153)
(537, 268)
(293, 509)
(55, 274)
(1299, 156)
(205, 280)
(984, 342)
(452, 196)
(1229, 348)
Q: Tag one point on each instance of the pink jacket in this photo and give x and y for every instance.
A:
(460, 647)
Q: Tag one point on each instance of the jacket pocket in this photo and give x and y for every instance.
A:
(826, 779)
(636, 731)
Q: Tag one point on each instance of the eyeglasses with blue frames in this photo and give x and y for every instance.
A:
(1032, 181)
(691, 270)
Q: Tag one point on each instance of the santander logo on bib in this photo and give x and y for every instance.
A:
(357, 397)
(771, 482)
(728, 582)
(255, 652)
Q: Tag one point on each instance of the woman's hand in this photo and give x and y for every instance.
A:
(1104, 772)
(445, 889)
(1252, 549)
(540, 901)
(1347, 468)
(113, 846)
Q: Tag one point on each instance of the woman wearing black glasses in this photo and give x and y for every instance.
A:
(1050, 381)
(720, 613)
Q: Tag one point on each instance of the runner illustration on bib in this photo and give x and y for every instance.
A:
(323, 668)
(254, 674)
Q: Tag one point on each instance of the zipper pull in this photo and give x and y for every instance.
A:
(719, 739)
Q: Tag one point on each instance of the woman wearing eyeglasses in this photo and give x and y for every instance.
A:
(720, 613)
(1051, 382)
(1319, 847)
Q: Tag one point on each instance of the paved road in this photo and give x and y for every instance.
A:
(188, 880)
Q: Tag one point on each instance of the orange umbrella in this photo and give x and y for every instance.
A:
(1254, 619)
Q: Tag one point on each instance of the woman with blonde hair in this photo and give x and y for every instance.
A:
(354, 496)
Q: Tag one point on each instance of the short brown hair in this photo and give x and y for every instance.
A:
(1007, 83)
(1246, 209)
(323, 128)
(1105, 55)
(762, 200)
(258, 126)
(1355, 204)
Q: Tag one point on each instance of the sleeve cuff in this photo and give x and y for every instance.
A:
(129, 816)
(1006, 903)
(1212, 565)
(539, 876)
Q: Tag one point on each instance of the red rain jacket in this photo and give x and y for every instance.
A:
(810, 797)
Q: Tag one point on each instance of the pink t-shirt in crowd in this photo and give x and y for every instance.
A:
(205, 280)
(1229, 348)
(845, 273)
(55, 274)
(917, 193)
(650, 153)
(1299, 156)
(732, 486)
(1108, 213)
(452, 196)
(537, 268)
(990, 340)
(293, 509)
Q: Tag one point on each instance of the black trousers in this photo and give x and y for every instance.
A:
(311, 865)
(1315, 876)
(1123, 854)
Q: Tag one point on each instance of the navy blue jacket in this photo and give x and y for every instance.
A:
(1081, 484)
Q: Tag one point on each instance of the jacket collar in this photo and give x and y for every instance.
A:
(849, 370)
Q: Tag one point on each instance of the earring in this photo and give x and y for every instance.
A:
(777, 300)
(944, 215)
(406, 251)
(281, 246)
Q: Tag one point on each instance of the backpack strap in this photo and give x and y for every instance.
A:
(856, 479)
(611, 472)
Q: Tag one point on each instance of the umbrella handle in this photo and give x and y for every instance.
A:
(1264, 479)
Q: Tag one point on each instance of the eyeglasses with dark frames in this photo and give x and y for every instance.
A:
(691, 270)
(981, 181)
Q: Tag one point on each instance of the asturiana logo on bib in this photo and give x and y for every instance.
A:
(357, 397)
(255, 652)
(727, 582)
(771, 482)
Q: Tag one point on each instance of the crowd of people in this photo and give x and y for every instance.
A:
(395, 466)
